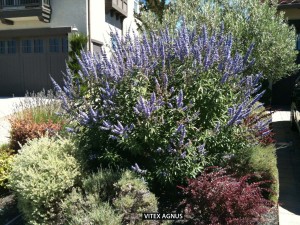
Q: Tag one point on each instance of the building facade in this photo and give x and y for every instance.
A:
(34, 37)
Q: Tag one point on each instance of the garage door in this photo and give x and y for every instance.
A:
(26, 63)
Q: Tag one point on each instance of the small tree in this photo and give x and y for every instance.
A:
(77, 43)
(249, 21)
(155, 6)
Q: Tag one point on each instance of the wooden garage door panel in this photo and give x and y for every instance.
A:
(30, 71)
(57, 67)
(11, 75)
(35, 71)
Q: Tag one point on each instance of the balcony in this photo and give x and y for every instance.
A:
(16, 10)
(118, 7)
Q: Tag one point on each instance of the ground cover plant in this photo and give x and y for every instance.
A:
(165, 105)
(6, 158)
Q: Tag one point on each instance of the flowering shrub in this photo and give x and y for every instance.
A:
(158, 99)
(218, 198)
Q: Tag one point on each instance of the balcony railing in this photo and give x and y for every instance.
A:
(25, 3)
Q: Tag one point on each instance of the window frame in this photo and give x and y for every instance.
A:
(2, 47)
(11, 46)
(26, 46)
(38, 45)
(54, 45)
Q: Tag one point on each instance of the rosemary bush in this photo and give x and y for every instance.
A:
(161, 104)
(80, 209)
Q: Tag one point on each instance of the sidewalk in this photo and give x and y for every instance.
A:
(288, 156)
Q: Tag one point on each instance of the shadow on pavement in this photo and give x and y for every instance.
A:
(288, 159)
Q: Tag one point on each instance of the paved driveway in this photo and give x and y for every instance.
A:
(7, 107)
(288, 159)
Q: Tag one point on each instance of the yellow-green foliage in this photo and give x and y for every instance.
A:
(263, 160)
(6, 159)
(133, 198)
(42, 173)
(79, 209)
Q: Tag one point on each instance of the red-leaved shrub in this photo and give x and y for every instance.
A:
(218, 198)
(26, 129)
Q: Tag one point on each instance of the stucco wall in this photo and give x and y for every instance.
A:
(75, 12)
(129, 21)
(113, 24)
(97, 19)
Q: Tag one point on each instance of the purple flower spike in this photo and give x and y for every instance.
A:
(137, 169)
(179, 100)
(201, 149)
(70, 130)
(180, 128)
(183, 155)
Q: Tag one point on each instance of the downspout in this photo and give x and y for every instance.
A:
(89, 26)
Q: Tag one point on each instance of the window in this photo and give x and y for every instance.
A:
(38, 46)
(26, 46)
(64, 45)
(2, 47)
(97, 47)
(9, 2)
(54, 44)
(11, 46)
(22, 2)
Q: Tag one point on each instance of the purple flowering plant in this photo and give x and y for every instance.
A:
(159, 103)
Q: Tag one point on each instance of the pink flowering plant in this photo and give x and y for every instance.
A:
(160, 103)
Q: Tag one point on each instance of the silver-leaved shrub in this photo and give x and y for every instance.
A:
(42, 173)
(133, 198)
(87, 209)
(165, 105)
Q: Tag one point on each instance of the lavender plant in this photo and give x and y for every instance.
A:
(157, 104)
